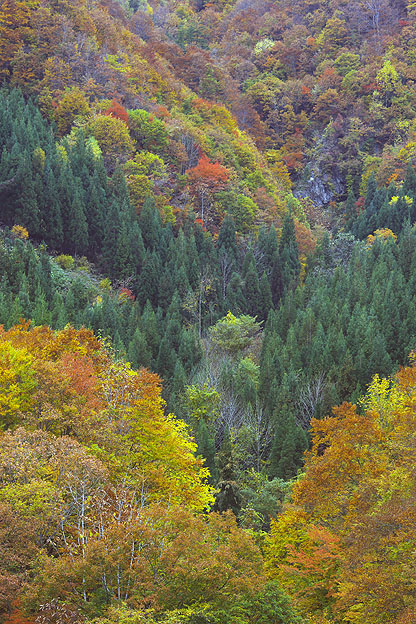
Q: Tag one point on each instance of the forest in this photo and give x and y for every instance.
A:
(207, 312)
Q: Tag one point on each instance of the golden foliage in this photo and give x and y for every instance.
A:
(358, 492)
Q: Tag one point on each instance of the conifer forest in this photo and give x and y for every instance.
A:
(207, 312)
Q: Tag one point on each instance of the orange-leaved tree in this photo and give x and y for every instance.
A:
(68, 383)
(345, 547)
(205, 179)
(118, 111)
(158, 556)
(87, 454)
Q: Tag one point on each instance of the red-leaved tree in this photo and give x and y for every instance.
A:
(205, 179)
(118, 111)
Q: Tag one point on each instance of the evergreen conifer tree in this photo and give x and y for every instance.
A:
(252, 291)
(138, 353)
(265, 297)
(288, 252)
(206, 448)
(76, 232)
(227, 495)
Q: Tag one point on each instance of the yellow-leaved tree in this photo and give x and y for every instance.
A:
(69, 383)
(100, 475)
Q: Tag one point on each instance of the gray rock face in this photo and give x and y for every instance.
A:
(322, 181)
(320, 187)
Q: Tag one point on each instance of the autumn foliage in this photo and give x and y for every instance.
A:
(235, 116)
(344, 545)
(205, 179)
(66, 383)
(213, 175)
(94, 475)
(118, 111)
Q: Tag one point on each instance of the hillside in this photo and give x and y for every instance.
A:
(207, 244)
(324, 91)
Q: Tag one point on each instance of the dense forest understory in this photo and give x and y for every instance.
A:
(207, 309)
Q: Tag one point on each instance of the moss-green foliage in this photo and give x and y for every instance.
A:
(233, 334)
